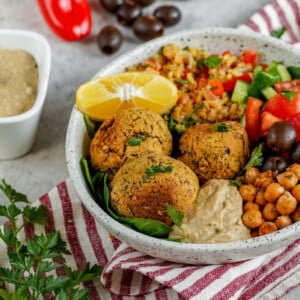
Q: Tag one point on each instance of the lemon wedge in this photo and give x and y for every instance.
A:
(100, 98)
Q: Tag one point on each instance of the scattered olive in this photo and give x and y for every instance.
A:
(275, 163)
(111, 5)
(168, 14)
(281, 136)
(145, 2)
(128, 12)
(294, 155)
(147, 28)
(109, 39)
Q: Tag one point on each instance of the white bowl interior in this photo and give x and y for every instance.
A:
(214, 40)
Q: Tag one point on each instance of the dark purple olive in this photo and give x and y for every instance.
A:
(109, 39)
(168, 14)
(281, 136)
(111, 5)
(275, 163)
(294, 155)
(147, 28)
(145, 2)
(128, 12)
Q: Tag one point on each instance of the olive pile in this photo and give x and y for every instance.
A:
(281, 147)
(130, 13)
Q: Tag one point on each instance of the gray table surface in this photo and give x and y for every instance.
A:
(75, 62)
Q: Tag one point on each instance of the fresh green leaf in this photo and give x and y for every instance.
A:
(221, 127)
(90, 126)
(289, 95)
(136, 140)
(37, 215)
(212, 61)
(175, 215)
(12, 195)
(182, 81)
(235, 182)
(278, 32)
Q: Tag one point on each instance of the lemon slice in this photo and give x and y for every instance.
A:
(102, 97)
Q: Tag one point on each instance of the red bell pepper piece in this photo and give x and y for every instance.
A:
(69, 19)
(230, 84)
(249, 57)
(252, 118)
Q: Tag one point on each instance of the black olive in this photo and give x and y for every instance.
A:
(147, 28)
(294, 155)
(109, 39)
(128, 12)
(275, 163)
(281, 136)
(168, 14)
(111, 5)
(145, 2)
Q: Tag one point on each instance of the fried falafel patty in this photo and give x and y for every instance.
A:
(129, 134)
(146, 186)
(214, 151)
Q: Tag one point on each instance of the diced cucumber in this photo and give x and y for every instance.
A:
(283, 72)
(256, 70)
(275, 73)
(240, 91)
(268, 92)
(261, 81)
(294, 72)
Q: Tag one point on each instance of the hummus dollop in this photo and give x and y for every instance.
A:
(215, 216)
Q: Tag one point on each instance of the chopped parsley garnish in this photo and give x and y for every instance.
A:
(175, 215)
(136, 140)
(278, 32)
(289, 95)
(151, 171)
(212, 61)
(221, 127)
(186, 48)
(182, 81)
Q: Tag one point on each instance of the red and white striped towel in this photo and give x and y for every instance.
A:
(131, 275)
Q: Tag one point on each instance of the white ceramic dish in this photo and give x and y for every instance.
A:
(214, 40)
(17, 133)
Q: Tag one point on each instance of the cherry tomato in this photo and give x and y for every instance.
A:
(249, 57)
(266, 121)
(230, 84)
(252, 118)
(281, 107)
(69, 19)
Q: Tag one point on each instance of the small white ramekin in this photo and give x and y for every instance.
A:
(17, 133)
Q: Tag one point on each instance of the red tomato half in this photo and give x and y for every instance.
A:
(291, 85)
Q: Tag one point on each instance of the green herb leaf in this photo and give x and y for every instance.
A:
(37, 215)
(90, 126)
(182, 81)
(221, 127)
(289, 95)
(136, 140)
(175, 215)
(212, 61)
(278, 32)
(12, 194)
(235, 182)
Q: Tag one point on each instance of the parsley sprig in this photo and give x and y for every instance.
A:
(33, 263)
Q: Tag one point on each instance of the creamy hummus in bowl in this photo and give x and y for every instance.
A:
(218, 245)
(25, 61)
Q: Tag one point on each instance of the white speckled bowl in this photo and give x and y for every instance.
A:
(17, 133)
(214, 40)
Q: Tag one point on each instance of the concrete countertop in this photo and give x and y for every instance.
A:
(74, 63)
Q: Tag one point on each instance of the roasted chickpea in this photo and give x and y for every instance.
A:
(286, 204)
(269, 212)
(264, 179)
(283, 221)
(251, 175)
(294, 168)
(252, 218)
(287, 179)
(267, 227)
(273, 191)
(296, 215)
(250, 205)
(296, 192)
(248, 192)
(260, 198)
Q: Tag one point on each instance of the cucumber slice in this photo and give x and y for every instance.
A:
(240, 91)
(268, 92)
(283, 72)
(294, 71)
(261, 81)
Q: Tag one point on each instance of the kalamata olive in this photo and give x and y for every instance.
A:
(145, 2)
(294, 155)
(281, 136)
(147, 28)
(168, 14)
(111, 5)
(128, 12)
(109, 39)
(275, 163)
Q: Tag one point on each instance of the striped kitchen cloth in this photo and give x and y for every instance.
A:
(131, 275)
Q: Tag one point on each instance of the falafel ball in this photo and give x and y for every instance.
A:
(129, 134)
(215, 151)
(146, 186)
